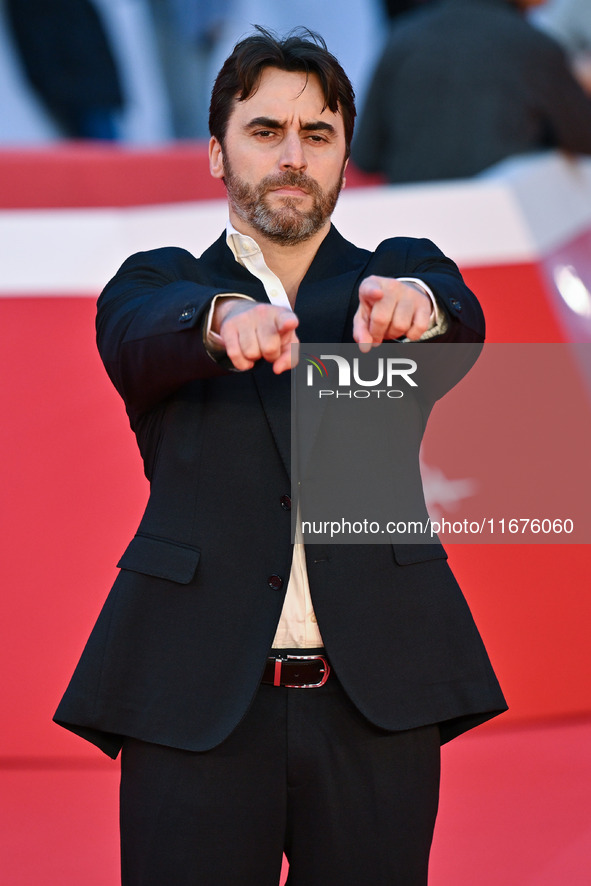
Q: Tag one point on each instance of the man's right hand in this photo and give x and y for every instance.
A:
(251, 331)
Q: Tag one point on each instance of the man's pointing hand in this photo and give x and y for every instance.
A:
(251, 331)
(390, 309)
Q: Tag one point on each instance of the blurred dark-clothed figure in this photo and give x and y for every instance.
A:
(569, 22)
(464, 84)
(67, 58)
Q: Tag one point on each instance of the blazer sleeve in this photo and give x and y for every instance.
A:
(425, 261)
(440, 368)
(149, 327)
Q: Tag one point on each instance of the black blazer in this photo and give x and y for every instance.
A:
(178, 651)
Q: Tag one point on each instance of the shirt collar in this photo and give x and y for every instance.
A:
(241, 245)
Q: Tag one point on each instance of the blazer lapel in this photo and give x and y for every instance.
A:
(326, 303)
(217, 264)
(273, 390)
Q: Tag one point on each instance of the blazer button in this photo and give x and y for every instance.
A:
(275, 582)
(187, 315)
(285, 502)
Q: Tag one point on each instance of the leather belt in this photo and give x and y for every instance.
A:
(296, 671)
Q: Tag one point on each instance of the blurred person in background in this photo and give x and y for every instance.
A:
(67, 58)
(569, 21)
(464, 84)
(187, 33)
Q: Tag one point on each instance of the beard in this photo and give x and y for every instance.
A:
(286, 223)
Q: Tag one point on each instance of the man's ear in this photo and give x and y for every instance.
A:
(216, 158)
(343, 179)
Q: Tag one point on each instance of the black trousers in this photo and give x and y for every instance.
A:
(304, 773)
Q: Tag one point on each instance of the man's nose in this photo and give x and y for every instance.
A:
(292, 152)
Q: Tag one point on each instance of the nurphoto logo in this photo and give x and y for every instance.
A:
(385, 371)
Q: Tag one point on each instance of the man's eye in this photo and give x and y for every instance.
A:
(264, 133)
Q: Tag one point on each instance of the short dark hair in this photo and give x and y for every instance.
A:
(301, 50)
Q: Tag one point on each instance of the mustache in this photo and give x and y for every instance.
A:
(290, 179)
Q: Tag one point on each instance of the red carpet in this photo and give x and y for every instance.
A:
(515, 811)
(515, 807)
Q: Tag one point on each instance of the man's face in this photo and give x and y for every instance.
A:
(283, 159)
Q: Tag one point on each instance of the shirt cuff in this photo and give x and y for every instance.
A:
(212, 341)
(438, 321)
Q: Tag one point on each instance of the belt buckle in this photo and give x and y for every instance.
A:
(309, 658)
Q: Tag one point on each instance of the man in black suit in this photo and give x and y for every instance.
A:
(267, 696)
(463, 84)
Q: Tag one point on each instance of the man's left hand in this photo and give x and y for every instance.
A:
(390, 309)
